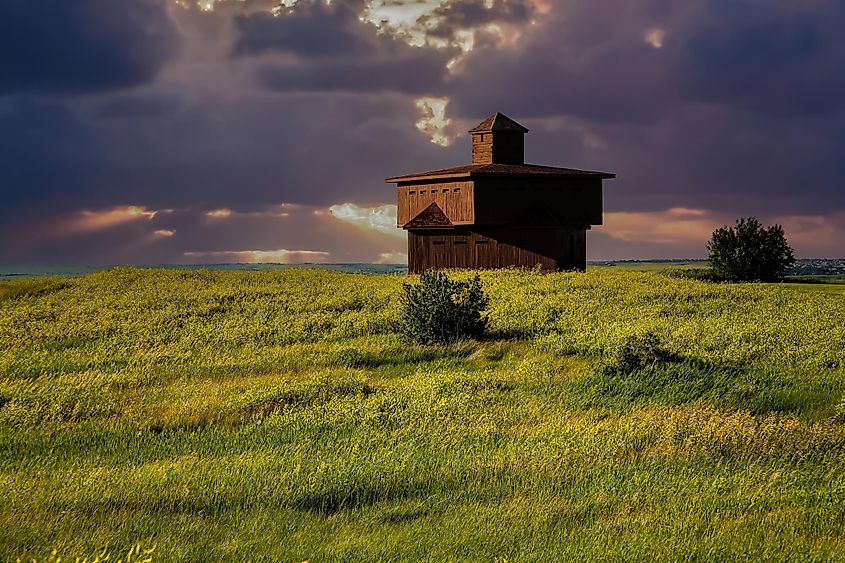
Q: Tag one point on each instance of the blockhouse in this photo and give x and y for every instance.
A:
(498, 211)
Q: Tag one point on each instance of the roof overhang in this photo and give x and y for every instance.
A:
(499, 170)
(426, 177)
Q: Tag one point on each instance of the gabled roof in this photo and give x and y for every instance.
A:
(481, 170)
(498, 122)
(432, 217)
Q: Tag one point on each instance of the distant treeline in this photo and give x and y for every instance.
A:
(803, 267)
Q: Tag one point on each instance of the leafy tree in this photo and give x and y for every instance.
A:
(439, 310)
(750, 252)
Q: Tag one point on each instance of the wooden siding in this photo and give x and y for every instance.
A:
(533, 201)
(490, 248)
(498, 148)
(454, 198)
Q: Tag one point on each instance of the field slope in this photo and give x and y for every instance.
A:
(280, 416)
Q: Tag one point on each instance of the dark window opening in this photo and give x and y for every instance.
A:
(457, 190)
(439, 242)
(412, 193)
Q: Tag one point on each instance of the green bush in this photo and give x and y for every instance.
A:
(439, 310)
(750, 252)
(640, 352)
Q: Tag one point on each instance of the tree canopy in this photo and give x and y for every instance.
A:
(750, 252)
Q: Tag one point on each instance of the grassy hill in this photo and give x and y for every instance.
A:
(280, 416)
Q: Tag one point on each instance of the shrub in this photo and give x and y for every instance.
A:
(439, 310)
(750, 252)
(640, 352)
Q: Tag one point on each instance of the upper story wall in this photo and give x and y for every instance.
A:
(518, 201)
(532, 201)
(454, 198)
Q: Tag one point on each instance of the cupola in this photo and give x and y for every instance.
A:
(498, 140)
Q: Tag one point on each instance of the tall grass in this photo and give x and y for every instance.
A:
(282, 416)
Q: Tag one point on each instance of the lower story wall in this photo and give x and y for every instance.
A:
(480, 248)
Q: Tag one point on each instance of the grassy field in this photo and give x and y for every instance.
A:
(824, 287)
(655, 266)
(280, 416)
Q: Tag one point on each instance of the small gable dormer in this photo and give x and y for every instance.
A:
(498, 140)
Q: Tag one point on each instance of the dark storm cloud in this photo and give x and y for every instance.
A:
(42, 153)
(585, 60)
(330, 49)
(62, 47)
(313, 29)
(419, 75)
(593, 61)
(786, 59)
(451, 17)
(139, 105)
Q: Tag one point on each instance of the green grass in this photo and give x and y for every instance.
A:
(280, 416)
(836, 288)
(645, 266)
(817, 279)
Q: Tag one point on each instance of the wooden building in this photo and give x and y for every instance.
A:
(498, 211)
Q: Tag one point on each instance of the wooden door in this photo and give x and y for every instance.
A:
(459, 253)
(484, 253)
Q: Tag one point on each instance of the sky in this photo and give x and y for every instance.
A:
(185, 131)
